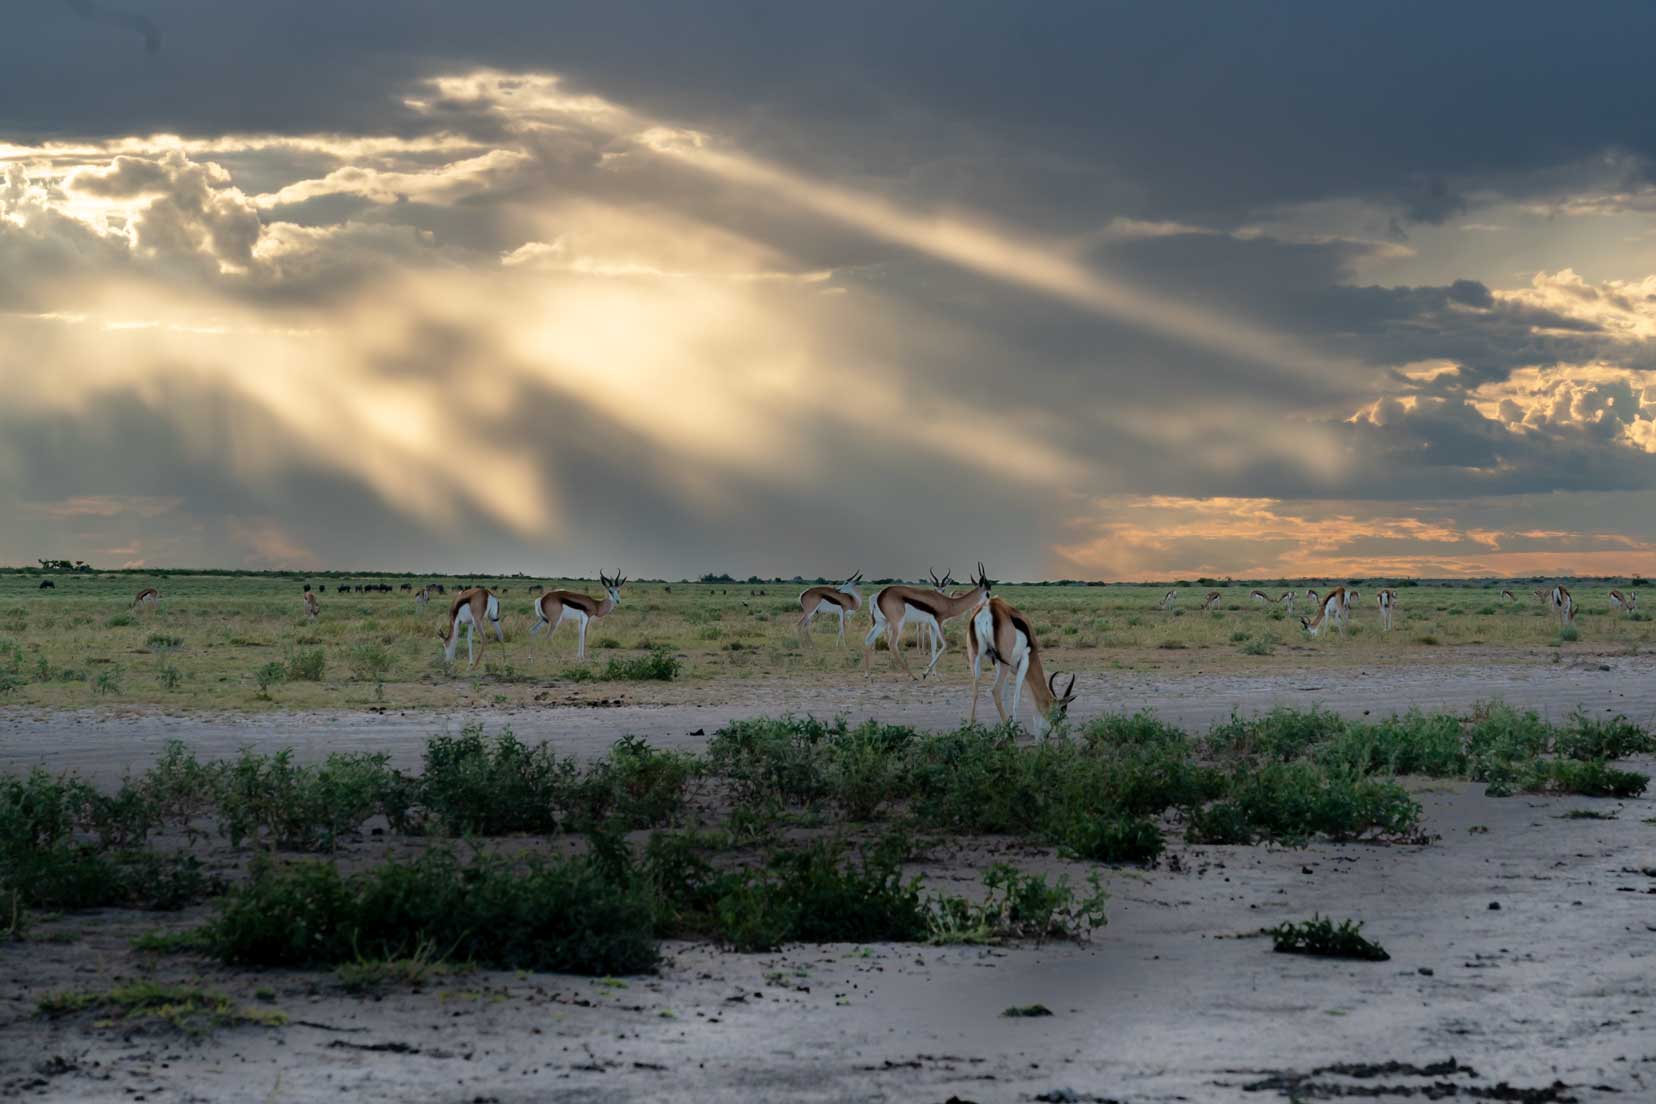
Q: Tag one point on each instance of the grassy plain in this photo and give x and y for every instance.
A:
(243, 642)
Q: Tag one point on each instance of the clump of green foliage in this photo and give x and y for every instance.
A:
(1322, 937)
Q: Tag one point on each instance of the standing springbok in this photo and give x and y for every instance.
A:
(1626, 603)
(421, 597)
(475, 608)
(149, 596)
(1001, 633)
(1168, 599)
(313, 608)
(894, 605)
(1543, 595)
(557, 606)
(1331, 611)
(923, 629)
(1387, 598)
(1563, 606)
(1287, 601)
(1210, 600)
(844, 599)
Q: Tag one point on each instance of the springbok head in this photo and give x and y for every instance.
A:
(943, 583)
(613, 586)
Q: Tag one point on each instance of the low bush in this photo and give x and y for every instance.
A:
(1322, 937)
(635, 786)
(473, 785)
(306, 665)
(562, 915)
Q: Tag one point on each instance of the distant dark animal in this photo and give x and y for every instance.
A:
(47, 584)
(440, 588)
(407, 586)
(537, 589)
(667, 590)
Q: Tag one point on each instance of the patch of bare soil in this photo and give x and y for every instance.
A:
(1521, 969)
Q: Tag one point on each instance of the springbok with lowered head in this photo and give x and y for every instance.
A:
(1509, 596)
(1168, 599)
(999, 632)
(1624, 602)
(1287, 601)
(474, 608)
(843, 600)
(1387, 599)
(1260, 598)
(557, 606)
(149, 596)
(1210, 600)
(1331, 611)
(895, 605)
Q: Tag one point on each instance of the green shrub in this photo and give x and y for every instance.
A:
(1320, 936)
(657, 666)
(369, 661)
(563, 915)
(1617, 738)
(815, 895)
(772, 760)
(108, 681)
(1018, 906)
(306, 665)
(119, 621)
(1121, 839)
(271, 674)
(163, 642)
(270, 798)
(471, 785)
(169, 676)
(635, 786)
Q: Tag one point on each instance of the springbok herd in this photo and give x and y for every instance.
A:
(995, 629)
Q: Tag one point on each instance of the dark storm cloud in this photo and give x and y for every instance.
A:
(143, 25)
(1214, 109)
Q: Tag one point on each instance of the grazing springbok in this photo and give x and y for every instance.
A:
(1287, 601)
(1563, 606)
(557, 606)
(313, 608)
(894, 605)
(1331, 611)
(843, 600)
(47, 584)
(1168, 599)
(1509, 596)
(1387, 599)
(1626, 603)
(149, 596)
(1210, 600)
(475, 608)
(999, 632)
(421, 597)
(1543, 595)
(1260, 597)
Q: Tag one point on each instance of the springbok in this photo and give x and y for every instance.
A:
(894, 605)
(1331, 611)
(421, 597)
(1168, 599)
(1210, 600)
(1311, 595)
(1287, 601)
(841, 600)
(1509, 596)
(1543, 595)
(1260, 597)
(1387, 598)
(475, 608)
(313, 608)
(1001, 633)
(1626, 603)
(923, 630)
(1563, 606)
(149, 596)
(557, 606)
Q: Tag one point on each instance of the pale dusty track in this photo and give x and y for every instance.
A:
(102, 744)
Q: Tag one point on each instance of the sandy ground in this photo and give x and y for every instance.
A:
(1172, 1001)
(101, 744)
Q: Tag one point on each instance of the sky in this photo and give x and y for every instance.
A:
(1091, 290)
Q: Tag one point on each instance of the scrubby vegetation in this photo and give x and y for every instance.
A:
(1322, 937)
(789, 829)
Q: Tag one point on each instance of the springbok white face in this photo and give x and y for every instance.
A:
(612, 587)
(851, 585)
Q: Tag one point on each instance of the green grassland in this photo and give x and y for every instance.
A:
(243, 641)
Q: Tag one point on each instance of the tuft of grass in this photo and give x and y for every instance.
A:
(1320, 936)
(188, 1008)
(1026, 1011)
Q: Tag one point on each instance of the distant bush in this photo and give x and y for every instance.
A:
(306, 665)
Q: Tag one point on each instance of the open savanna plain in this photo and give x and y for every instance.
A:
(249, 855)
